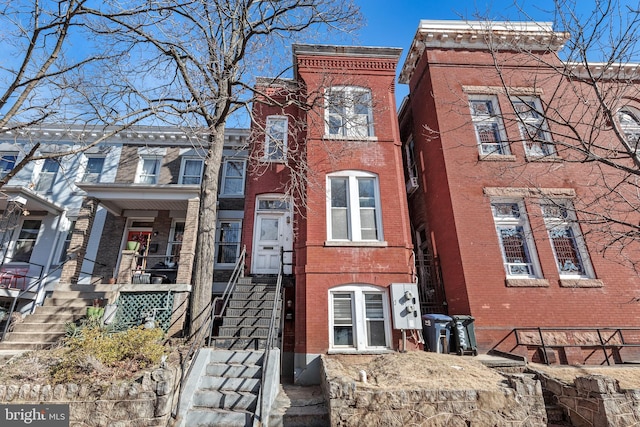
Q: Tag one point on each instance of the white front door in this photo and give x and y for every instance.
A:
(272, 231)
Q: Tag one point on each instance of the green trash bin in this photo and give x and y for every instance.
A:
(464, 335)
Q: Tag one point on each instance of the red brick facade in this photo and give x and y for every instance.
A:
(457, 186)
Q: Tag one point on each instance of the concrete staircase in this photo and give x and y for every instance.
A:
(47, 324)
(225, 381)
(299, 406)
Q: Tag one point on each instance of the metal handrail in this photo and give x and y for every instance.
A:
(237, 273)
(200, 334)
(270, 336)
(603, 343)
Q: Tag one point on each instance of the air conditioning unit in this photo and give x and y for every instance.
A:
(412, 185)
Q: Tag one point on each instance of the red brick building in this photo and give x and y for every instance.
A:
(502, 207)
(348, 229)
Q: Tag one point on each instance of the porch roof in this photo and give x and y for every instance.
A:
(118, 198)
(34, 201)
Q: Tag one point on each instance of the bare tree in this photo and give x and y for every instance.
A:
(56, 71)
(201, 56)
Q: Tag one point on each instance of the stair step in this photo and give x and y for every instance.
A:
(237, 357)
(81, 294)
(234, 370)
(53, 318)
(238, 385)
(4, 345)
(39, 327)
(248, 296)
(235, 344)
(250, 304)
(248, 312)
(34, 337)
(66, 302)
(254, 288)
(51, 310)
(86, 288)
(204, 417)
(230, 400)
(231, 321)
(244, 332)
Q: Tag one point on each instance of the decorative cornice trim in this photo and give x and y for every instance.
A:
(521, 192)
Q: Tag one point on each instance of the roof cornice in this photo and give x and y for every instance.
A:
(480, 35)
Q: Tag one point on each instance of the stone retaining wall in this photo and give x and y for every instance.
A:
(595, 401)
(518, 402)
(143, 403)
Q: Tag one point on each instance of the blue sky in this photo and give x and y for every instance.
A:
(394, 23)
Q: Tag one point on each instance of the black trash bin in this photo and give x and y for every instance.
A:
(437, 331)
(464, 335)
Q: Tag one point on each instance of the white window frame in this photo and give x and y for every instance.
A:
(141, 175)
(559, 217)
(359, 321)
(16, 239)
(43, 175)
(219, 242)
(86, 174)
(410, 155)
(276, 138)
(4, 156)
(183, 170)
(492, 118)
(629, 120)
(348, 124)
(353, 208)
(536, 137)
(516, 223)
(225, 177)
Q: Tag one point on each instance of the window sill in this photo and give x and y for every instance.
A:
(497, 157)
(230, 196)
(543, 159)
(351, 138)
(526, 283)
(334, 243)
(581, 283)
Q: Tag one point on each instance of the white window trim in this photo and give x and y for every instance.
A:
(4, 172)
(523, 222)
(353, 215)
(569, 222)
(171, 241)
(358, 312)
(268, 139)
(494, 119)
(218, 241)
(141, 160)
(540, 123)
(224, 178)
(38, 174)
(16, 236)
(183, 168)
(371, 136)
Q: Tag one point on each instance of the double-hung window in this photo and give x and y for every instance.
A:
(566, 240)
(488, 125)
(533, 127)
(228, 242)
(174, 245)
(149, 170)
(233, 178)
(93, 170)
(359, 318)
(629, 120)
(7, 163)
(354, 207)
(191, 171)
(349, 112)
(47, 176)
(275, 140)
(516, 242)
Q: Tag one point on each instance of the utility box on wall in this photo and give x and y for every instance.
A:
(405, 306)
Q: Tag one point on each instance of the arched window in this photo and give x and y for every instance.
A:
(629, 119)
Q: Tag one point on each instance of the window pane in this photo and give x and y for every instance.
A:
(47, 175)
(7, 163)
(339, 223)
(375, 333)
(229, 242)
(375, 320)
(342, 320)
(26, 240)
(515, 250)
(339, 192)
(269, 229)
(566, 250)
(94, 169)
(275, 139)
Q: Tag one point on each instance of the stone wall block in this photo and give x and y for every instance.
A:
(59, 392)
(23, 392)
(3, 392)
(597, 384)
(45, 393)
(163, 406)
(146, 381)
(35, 392)
(12, 392)
(72, 391)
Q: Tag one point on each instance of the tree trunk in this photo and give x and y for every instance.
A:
(202, 279)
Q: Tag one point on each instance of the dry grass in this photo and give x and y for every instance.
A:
(627, 376)
(416, 368)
